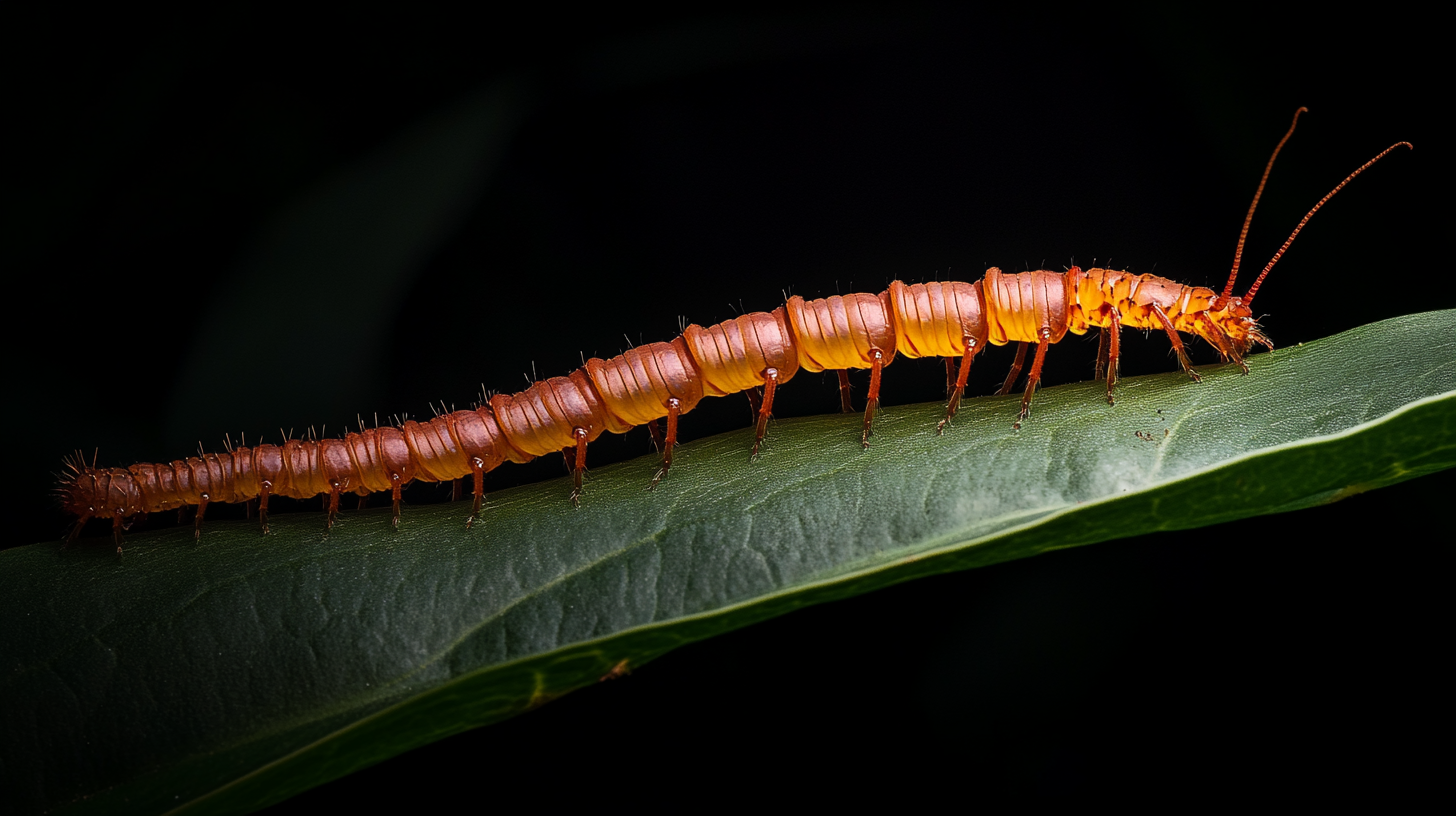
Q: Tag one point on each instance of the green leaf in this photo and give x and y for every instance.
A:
(228, 674)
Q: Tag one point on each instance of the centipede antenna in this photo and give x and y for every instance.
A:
(1249, 297)
(1228, 288)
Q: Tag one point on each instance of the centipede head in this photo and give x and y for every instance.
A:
(1232, 329)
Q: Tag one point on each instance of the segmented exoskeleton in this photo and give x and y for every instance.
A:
(756, 352)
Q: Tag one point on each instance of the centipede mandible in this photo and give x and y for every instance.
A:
(657, 383)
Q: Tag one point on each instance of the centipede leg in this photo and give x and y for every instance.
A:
(580, 467)
(1015, 370)
(116, 528)
(765, 410)
(363, 501)
(950, 374)
(655, 431)
(1113, 335)
(845, 406)
(872, 404)
(263, 492)
(398, 486)
(1101, 352)
(674, 407)
(248, 508)
(76, 528)
(755, 401)
(477, 472)
(953, 403)
(197, 520)
(1033, 378)
(455, 490)
(1177, 343)
(333, 506)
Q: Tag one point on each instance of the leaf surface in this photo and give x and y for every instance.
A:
(229, 674)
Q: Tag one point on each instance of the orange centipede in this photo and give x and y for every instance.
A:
(755, 353)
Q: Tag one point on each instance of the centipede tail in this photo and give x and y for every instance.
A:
(756, 353)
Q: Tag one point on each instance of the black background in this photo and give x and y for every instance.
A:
(646, 167)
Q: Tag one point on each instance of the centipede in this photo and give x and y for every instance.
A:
(655, 384)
